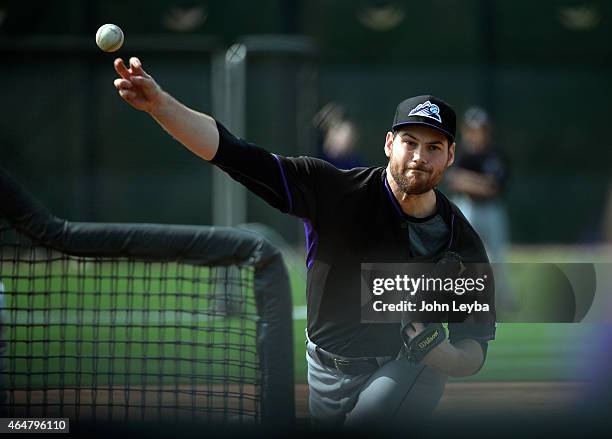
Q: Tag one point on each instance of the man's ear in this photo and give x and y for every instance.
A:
(389, 144)
(451, 155)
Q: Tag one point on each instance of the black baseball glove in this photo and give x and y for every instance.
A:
(416, 348)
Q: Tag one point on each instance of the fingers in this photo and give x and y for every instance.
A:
(136, 67)
(134, 85)
(122, 83)
(124, 86)
(121, 69)
(139, 82)
(127, 94)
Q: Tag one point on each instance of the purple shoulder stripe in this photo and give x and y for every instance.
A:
(312, 243)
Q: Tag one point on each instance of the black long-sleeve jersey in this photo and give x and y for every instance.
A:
(351, 217)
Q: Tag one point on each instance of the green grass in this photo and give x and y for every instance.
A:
(135, 322)
(537, 351)
(220, 351)
(192, 349)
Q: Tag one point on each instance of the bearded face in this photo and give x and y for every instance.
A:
(418, 157)
(412, 179)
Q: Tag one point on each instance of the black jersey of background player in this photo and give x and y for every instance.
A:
(488, 162)
(351, 217)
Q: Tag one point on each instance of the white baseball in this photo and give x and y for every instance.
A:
(109, 37)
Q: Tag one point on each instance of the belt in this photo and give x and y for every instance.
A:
(349, 366)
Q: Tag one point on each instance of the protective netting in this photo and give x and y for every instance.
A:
(123, 338)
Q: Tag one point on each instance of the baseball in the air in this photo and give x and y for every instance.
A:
(109, 37)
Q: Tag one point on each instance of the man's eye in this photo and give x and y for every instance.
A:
(434, 147)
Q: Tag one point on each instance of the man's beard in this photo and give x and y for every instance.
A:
(413, 185)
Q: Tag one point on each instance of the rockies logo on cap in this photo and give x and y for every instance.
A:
(427, 109)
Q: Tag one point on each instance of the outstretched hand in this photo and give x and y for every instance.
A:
(136, 86)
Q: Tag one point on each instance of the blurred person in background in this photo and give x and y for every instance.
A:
(337, 137)
(478, 180)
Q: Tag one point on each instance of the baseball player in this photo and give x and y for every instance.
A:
(383, 214)
(478, 180)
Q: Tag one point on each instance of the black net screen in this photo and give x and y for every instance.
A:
(120, 339)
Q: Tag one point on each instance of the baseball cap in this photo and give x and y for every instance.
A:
(429, 111)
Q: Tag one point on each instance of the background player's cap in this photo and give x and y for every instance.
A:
(475, 117)
(429, 111)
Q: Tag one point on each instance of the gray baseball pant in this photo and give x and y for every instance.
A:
(396, 395)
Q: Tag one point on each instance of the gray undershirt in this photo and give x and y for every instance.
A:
(428, 237)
